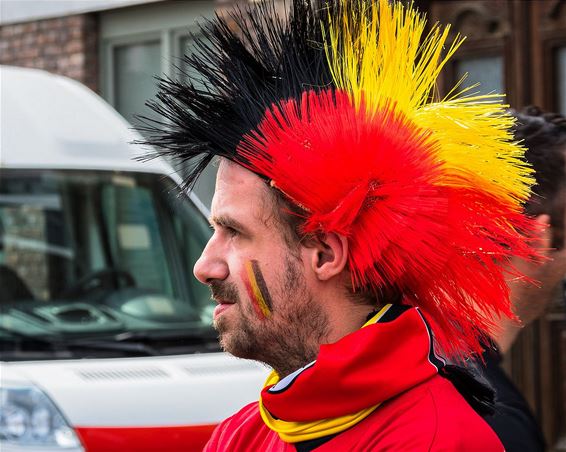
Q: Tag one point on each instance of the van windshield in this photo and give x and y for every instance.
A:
(99, 263)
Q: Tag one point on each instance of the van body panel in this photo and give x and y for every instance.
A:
(165, 391)
(50, 121)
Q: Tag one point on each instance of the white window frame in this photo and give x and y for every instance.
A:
(164, 22)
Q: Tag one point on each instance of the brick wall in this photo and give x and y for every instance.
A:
(65, 45)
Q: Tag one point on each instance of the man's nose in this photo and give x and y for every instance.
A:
(211, 265)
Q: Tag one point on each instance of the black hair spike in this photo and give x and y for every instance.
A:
(248, 60)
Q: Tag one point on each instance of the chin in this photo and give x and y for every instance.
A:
(237, 346)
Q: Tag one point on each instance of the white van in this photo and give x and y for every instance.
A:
(105, 336)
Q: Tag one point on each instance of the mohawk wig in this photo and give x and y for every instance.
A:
(335, 107)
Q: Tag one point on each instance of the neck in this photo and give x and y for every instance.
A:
(296, 352)
(291, 354)
(346, 321)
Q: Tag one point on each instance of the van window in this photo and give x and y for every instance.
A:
(100, 256)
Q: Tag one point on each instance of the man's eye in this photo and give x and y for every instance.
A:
(232, 232)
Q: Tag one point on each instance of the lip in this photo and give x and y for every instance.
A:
(221, 307)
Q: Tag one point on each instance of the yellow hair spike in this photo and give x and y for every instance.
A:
(381, 57)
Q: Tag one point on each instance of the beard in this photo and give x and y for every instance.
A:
(287, 340)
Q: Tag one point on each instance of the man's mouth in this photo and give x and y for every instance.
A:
(222, 306)
(225, 295)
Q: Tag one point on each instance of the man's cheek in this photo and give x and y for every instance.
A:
(257, 289)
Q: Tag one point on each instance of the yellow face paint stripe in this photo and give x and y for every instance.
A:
(256, 281)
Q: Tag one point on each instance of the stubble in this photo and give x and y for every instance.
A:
(289, 339)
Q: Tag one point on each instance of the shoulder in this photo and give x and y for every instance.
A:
(244, 430)
(458, 426)
(429, 417)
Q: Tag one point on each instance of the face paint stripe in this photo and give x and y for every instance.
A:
(257, 294)
(253, 282)
(261, 284)
(247, 283)
(257, 289)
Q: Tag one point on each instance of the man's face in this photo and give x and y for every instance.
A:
(265, 310)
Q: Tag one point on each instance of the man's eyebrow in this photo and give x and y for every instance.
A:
(226, 222)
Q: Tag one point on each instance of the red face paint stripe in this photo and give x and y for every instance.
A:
(163, 439)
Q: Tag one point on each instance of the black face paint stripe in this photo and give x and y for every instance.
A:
(261, 284)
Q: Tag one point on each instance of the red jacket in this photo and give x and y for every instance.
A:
(432, 416)
(419, 410)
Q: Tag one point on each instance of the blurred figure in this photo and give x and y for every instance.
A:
(544, 136)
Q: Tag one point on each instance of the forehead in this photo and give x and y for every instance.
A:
(240, 192)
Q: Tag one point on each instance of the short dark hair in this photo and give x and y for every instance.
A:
(544, 136)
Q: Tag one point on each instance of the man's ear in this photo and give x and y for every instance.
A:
(329, 255)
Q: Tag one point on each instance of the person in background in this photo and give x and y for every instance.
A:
(544, 136)
(360, 225)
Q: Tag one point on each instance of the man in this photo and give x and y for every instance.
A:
(544, 135)
(359, 227)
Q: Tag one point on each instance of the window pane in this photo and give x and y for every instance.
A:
(135, 237)
(135, 66)
(187, 47)
(204, 188)
(84, 252)
(487, 71)
(561, 79)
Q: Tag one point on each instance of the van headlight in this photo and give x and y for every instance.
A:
(29, 418)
